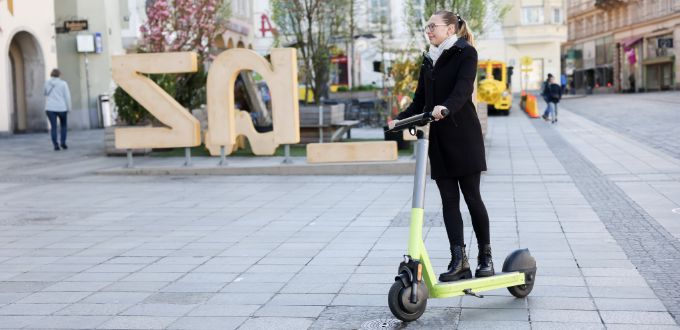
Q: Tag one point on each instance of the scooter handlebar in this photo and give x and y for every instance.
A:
(417, 120)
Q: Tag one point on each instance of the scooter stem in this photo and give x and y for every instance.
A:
(418, 203)
(423, 134)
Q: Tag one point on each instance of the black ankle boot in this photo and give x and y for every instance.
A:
(484, 261)
(459, 268)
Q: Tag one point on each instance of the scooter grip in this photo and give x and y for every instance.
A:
(445, 112)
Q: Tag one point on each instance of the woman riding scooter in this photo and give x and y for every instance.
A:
(456, 149)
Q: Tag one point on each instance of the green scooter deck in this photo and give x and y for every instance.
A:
(458, 288)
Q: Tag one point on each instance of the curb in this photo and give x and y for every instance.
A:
(405, 167)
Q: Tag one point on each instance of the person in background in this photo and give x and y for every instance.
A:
(563, 82)
(553, 94)
(544, 87)
(57, 105)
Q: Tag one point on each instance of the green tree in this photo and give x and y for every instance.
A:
(473, 11)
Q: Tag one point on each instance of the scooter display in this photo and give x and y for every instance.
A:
(416, 280)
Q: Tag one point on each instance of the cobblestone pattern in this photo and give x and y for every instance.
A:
(651, 119)
(654, 251)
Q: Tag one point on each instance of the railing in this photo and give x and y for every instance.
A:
(579, 6)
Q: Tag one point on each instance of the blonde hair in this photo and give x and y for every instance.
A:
(462, 29)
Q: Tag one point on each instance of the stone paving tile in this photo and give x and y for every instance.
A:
(30, 309)
(92, 309)
(566, 326)
(209, 322)
(290, 311)
(499, 314)
(68, 322)
(556, 315)
(240, 298)
(138, 322)
(630, 317)
(17, 322)
(646, 305)
(500, 325)
(224, 310)
(54, 297)
(276, 323)
(116, 297)
(158, 310)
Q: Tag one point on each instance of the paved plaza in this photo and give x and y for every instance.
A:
(599, 209)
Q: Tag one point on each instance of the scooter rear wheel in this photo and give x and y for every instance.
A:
(521, 291)
(401, 306)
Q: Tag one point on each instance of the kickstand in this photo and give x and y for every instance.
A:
(470, 293)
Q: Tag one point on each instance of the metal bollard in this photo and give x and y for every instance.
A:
(286, 154)
(223, 157)
(130, 162)
(321, 120)
(187, 156)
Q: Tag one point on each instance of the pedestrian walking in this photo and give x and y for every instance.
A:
(57, 105)
(553, 95)
(544, 87)
(456, 149)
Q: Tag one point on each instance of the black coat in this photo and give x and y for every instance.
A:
(456, 142)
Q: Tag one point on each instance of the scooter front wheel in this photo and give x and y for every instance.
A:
(401, 306)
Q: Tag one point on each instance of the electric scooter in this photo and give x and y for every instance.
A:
(416, 280)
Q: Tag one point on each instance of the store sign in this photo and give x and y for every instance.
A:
(665, 42)
(225, 122)
(75, 26)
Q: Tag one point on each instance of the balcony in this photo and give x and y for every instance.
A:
(578, 7)
(609, 4)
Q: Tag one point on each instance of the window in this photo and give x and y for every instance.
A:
(532, 15)
(380, 13)
(557, 16)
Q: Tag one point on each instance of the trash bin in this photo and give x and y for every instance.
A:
(105, 111)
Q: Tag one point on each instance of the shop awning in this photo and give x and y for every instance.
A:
(630, 41)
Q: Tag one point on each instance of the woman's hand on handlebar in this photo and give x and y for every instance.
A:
(437, 112)
(391, 124)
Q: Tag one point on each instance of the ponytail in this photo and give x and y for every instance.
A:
(462, 29)
(465, 33)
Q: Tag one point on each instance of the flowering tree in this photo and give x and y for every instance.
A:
(186, 25)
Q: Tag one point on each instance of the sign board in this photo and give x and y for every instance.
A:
(85, 43)
(75, 26)
(526, 61)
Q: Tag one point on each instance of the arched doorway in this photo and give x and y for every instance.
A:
(27, 72)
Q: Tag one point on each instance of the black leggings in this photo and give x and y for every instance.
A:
(469, 185)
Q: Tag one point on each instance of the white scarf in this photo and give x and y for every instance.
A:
(436, 51)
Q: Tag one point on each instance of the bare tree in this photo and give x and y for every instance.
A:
(311, 26)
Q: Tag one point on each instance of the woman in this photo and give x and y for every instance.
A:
(456, 151)
(57, 105)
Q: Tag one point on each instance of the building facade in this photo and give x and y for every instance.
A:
(622, 45)
(88, 71)
(533, 28)
(28, 54)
